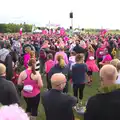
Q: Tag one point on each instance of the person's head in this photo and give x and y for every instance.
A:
(31, 65)
(2, 70)
(72, 53)
(58, 81)
(12, 112)
(105, 51)
(108, 75)
(32, 54)
(80, 58)
(61, 48)
(90, 48)
(27, 50)
(7, 45)
(50, 56)
(61, 61)
(77, 42)
(114, 62)
(118, 66)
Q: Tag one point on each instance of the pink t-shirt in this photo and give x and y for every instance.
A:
(107, 58)
(48, 65)
(64, 56)
(26, 60)
(33, 83)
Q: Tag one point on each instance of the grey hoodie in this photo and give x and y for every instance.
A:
(3, 54)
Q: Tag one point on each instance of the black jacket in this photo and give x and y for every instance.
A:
(79, 49)
(104, 106)
(58, 106)
(8, 92)
(58, 69)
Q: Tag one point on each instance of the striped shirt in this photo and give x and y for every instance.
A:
(37, 68)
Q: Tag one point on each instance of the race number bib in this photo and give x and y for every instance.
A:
(91, 58)
(28, 88)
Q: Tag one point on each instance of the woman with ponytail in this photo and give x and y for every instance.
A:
(32, 82)
(60, 67)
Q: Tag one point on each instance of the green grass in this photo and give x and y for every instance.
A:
(88, 92)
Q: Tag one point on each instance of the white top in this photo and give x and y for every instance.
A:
(118, 79)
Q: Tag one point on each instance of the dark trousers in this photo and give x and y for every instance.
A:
(32, 105)
(78, 88)
(99, 60)
(48, 82)
(42, 65)
(65, 90)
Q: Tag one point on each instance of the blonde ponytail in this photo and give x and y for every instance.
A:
(61, 61)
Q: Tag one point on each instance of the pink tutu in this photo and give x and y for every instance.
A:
(92, 66)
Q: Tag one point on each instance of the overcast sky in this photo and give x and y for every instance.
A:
(87, 13)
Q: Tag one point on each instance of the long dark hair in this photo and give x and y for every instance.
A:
(32, 65)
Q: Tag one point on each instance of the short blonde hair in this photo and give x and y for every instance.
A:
(2, 69)
(114, 62)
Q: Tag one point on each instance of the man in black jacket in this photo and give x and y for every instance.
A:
(106, 104)
(8, 93)
(57, 105)
(78, 49)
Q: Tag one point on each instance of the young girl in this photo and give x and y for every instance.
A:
(79, 72)
(92, 67)
(72, 59)
(48, 65)
(27, 56)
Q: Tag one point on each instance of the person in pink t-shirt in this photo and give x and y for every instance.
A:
(27, 56)
(48, 65)
(106, 58)
(62, 53)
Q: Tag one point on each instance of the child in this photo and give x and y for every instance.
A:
(27, 56)
(92, 67)
(71, 62)
(79, 72)
(72, 59)
(48, 65)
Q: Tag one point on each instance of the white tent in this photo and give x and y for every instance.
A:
(37, 31)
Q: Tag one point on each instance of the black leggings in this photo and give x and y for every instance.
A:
(79, 87)
(99, 60)
(48, 82)
(32, 105)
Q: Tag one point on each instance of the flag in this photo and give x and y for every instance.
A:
(20, 31)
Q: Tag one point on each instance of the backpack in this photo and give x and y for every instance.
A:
(43, 54)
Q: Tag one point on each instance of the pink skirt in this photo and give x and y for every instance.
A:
(92, 66)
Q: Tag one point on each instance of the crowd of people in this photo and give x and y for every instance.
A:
(25, 60)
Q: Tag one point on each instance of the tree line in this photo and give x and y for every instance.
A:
(13, 28)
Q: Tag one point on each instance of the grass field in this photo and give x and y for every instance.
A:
(89, 91)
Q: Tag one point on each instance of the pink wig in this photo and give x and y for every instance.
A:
(12, 112)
